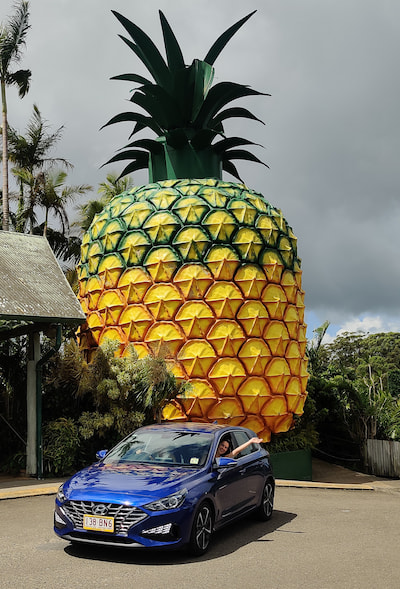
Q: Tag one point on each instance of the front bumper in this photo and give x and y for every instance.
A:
(161, 529)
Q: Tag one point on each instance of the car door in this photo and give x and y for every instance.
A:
(250, 470)
(236, 488)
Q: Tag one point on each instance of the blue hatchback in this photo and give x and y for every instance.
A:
(167, 486)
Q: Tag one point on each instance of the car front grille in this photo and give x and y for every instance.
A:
(124, 516)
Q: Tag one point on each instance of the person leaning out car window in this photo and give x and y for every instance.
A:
(223, 448)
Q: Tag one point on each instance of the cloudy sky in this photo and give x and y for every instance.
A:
(331, 139)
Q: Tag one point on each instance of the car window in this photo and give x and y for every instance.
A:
(225, 438)
(162, 447)
(239, 438)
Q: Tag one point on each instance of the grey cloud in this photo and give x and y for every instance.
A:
(332, 127)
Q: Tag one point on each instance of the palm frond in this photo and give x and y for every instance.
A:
(21, 79)
(13, 39)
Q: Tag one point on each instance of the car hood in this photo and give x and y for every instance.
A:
(133, 484)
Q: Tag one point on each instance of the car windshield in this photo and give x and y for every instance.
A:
(162, 447)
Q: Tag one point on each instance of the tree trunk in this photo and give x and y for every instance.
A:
(4, 128)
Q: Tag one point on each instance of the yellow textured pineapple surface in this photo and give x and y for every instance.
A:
(206, 272)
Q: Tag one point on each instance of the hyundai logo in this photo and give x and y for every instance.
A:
(100, 509)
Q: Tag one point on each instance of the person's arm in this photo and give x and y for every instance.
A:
(237, 450)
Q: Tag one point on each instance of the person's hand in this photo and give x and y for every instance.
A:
(256, 440)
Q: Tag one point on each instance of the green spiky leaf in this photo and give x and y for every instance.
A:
(172, 48)
(149, 144)
(203, 75)
(140, 120)
(146, 51)
(158, 104)
(131, 78)
(220, 95)
(241, 154)
(130, 154)
(204, 138)
(182, 107)
(231, 142)
(235, 112)
(220, 43)
(229, 167)
(135, 165)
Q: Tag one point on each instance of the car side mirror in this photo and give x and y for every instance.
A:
(225, 462)
(101, 454)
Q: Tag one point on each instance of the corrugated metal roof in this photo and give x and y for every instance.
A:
(32, 284)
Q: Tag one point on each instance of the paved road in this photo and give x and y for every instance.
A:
(317, 539)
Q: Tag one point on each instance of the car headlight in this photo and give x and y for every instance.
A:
(171, 502)
(60, 494)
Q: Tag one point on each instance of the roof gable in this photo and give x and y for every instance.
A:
(32, 285)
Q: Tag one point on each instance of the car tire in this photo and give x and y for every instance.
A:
(202, 529)
(267, 502)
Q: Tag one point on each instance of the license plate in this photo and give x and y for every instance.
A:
(98, 523)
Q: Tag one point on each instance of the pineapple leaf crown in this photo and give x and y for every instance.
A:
(183, 108)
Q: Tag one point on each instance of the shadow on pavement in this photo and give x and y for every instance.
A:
(225, 541)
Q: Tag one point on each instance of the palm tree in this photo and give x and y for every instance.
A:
(48, 190)
(87, 213)
(54, 196)
(314, 347)
(112, 186)
(29, 153)
(26, 214)
(12, 41)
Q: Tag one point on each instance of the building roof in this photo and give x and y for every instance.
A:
(32, 285)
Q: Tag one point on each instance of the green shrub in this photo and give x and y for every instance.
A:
(60, 446)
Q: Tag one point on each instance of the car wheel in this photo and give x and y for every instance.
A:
(202, 529)
(267, 502)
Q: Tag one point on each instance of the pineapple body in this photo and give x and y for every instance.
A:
(205, 272)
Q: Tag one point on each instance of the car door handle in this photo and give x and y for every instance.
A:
(242, 470)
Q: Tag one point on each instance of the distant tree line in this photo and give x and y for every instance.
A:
(355, 388)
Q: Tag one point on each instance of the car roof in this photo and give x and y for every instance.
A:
(192, 426)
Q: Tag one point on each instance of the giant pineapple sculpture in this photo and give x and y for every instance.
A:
(202, 270)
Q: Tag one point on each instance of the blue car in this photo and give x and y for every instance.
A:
(167, 486)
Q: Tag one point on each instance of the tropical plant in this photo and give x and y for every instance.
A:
(314, 348)
(13, 357)
(55, 195)
(111, 187)
(155, 386)
(30, 155)
(205, 268)
(61, 443)
(48, 190)
(355, 391)
(12, 41)
(113, 395)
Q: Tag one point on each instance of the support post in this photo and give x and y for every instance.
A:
(33, 359)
